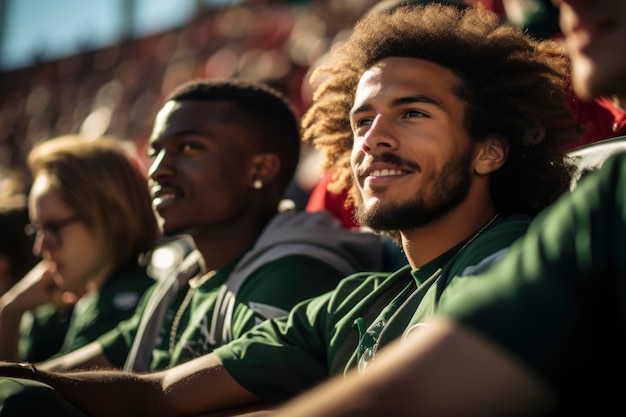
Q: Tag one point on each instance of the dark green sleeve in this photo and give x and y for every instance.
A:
(94, 315)
(42, 331)
(101, 312)
(281, 284)
(281, 357)
(551, 299)
(116, 342)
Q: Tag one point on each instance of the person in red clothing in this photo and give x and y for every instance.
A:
(603, 118)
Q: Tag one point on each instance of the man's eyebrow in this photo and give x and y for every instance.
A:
(400, 101)
(182, 131)
(416, 99)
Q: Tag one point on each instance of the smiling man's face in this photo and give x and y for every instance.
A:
(411, 156)
(198, 176)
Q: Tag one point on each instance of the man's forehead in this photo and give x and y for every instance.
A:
(403, 73)
(192, 113)
(165, 111)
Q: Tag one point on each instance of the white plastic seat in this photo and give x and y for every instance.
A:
(590, 157)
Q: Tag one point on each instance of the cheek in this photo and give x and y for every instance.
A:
(356, 157)
(83, 257)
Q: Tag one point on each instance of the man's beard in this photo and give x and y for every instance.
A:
(450, 187)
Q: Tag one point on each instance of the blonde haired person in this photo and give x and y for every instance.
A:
(94, 229)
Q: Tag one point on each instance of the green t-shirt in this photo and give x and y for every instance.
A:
(47, 331)
(328, 334)
(278, 284)
(558, 300)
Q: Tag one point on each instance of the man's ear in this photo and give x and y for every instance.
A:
(491, 155)
(265, 167)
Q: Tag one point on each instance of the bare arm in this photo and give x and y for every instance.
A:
(87, 357)
(198, 386)
(9, 330)
(37, 287)
(442, 370)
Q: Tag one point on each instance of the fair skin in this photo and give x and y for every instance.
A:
(408, 378)
(69, 268)
(404, 107)
(594, 32)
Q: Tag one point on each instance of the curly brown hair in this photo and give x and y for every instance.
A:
(514, 87)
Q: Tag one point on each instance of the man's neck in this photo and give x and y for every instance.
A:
(426, 243)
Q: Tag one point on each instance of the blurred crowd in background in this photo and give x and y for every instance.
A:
(116, 90)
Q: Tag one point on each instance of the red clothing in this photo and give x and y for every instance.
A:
(322, 199)
(601, 119)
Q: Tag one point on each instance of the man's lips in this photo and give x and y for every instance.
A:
(381, 176)
(164, 195)
(387, 172)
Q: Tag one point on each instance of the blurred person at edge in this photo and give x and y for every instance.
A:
(94, 229)
(602, 117)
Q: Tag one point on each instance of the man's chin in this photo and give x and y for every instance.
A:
(170, 230)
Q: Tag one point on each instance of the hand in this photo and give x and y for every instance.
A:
(41, 285)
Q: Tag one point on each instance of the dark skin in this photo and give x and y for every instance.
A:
(200, 162)
(204, 164)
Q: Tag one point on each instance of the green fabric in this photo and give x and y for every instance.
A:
(557, 302)
(48, 332)
(298, 255)
(26, 398)
(282, 357)
(42, 331)
(278, 283)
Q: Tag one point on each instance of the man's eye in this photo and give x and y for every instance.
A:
(415, 113)
(362, 122)
(188, 147)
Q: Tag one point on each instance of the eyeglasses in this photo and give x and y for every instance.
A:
(51, 231)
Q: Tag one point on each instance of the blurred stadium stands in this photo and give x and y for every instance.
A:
(117, 90)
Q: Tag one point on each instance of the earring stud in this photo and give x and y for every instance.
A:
(257, 184)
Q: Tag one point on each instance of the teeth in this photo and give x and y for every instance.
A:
(386, 172)
(164, 197)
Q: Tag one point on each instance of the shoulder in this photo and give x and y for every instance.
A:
(129, 281)
(490, 246)
(362, 284)
(503, 232)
